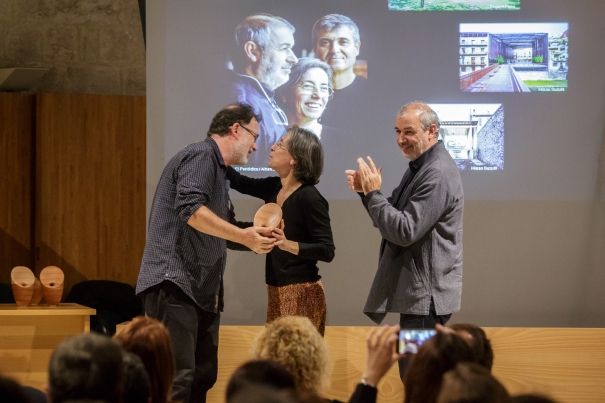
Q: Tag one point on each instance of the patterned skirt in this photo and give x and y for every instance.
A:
(304, 299)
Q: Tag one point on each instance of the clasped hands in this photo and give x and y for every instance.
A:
(367, 179)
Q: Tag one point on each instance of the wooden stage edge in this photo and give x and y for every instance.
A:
(567, 364)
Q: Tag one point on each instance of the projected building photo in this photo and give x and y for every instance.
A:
(453, 5)
(513, 57)
(473, 134)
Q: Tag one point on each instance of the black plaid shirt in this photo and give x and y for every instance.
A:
(174, 251)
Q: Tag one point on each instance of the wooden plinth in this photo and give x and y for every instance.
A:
(28, 336)
(566, 364)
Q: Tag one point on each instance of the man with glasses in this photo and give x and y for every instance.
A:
(192, 222)
(262, 59)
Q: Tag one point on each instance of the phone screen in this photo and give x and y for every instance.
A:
(410, 340)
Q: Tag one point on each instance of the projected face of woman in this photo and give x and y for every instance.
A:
(309, 98)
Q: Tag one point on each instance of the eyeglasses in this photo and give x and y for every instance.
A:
(252, 132)
(308, 88)
(280, 145)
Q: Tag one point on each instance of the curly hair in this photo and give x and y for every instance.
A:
(295, 343)
(149, 339)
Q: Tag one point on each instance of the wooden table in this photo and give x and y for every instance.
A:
(28, 336)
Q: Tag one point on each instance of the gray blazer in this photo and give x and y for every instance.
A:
(421, 249)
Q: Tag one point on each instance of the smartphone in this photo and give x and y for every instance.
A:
(410, 340)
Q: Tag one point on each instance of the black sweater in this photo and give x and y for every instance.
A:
(306, 220)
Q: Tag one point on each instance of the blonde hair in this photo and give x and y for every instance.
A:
(295, 343)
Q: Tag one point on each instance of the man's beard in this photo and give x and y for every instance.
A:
(239, 155)
(269, 74)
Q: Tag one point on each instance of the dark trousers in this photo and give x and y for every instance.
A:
(429, 321)
(194, 334)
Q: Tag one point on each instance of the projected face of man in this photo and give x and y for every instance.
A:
(411, 138)
(246, 143)
(277, 58)
(311, 95)
(337, 48)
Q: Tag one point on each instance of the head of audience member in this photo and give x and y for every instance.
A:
(264, 49)
(235, 130)
(417, 129)
(86, 367)
(307, 92)
(336, 41)
(259, 372)
(300, 153)
(435, 357)
(469, 382)
(12, 392)
(262, 394)
(296, 344)
(531, 398)
(149, 339)
(136, 385)
(480, 344)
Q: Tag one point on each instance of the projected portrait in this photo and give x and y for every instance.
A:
(336, 41)
(473, 134)
(453, 5)
(514, 57)
(262, 60)
(306, 94)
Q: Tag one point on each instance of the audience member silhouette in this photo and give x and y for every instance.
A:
(296, 344)
(85, 367)
(469, 382)
(136, 386)
(149, 339)
(259, 372)
(478, 341)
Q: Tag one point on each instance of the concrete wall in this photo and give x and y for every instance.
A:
(90, 46)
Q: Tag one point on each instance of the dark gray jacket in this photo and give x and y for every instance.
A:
(421, 249)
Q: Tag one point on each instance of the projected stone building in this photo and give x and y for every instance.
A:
(476, 143)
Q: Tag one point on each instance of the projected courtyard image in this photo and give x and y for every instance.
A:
(453, 5)
(473, 134)
(514, 57)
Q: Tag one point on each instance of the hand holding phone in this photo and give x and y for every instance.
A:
(410, 340)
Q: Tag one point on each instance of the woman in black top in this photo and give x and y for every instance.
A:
(293, 283)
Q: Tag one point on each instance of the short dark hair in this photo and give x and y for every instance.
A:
(87, 366)
(306, 149)
(12, 392)
(255, 28)
(135, 381)
(259, 372)
(332, 22)
(469, 382)
(233, 113)
(481, 346)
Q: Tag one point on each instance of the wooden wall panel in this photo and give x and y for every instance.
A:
(16, 181)
(90, 186)
(566, 364)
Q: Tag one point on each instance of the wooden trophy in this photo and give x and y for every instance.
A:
(268, 216)
(22, 281)
(52, 279)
